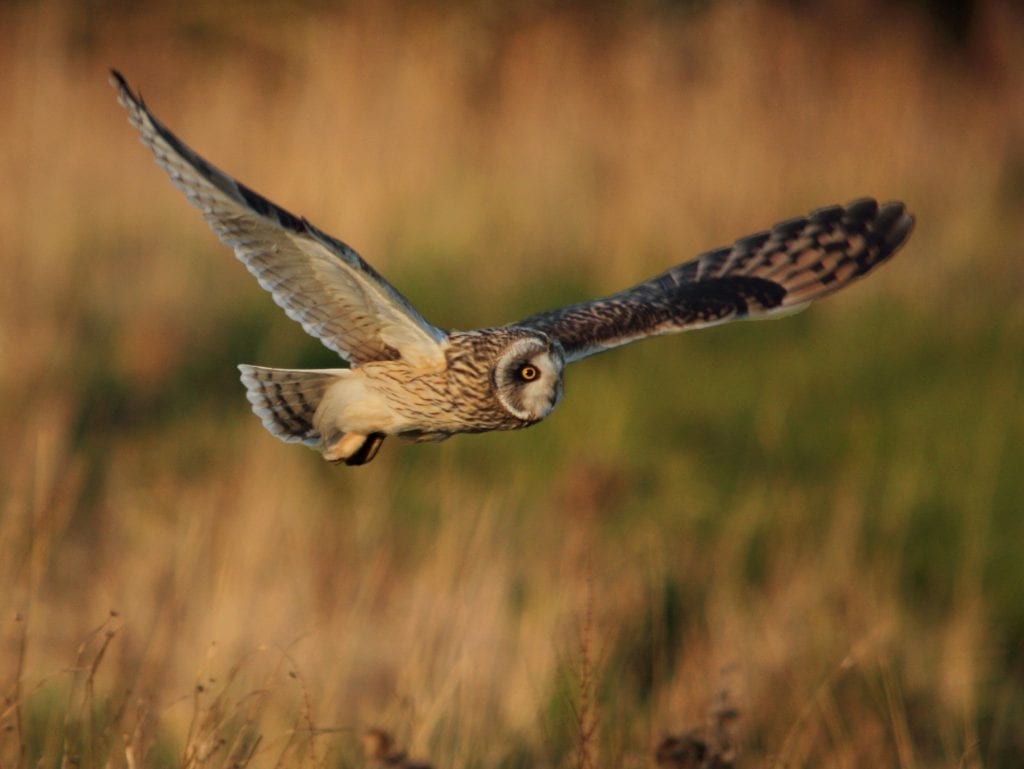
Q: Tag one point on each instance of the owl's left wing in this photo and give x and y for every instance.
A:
(770, 273)
(318, 280)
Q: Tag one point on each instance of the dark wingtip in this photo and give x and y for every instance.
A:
(889, 222)
(124, 90)
(862, 208)
(117, 80)
(826, 215)
(893, 223)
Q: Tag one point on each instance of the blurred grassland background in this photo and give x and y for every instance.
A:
(817, 521)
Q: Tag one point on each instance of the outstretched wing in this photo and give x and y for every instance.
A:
(318, 280)
(769, 273)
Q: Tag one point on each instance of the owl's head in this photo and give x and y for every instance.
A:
(528, 377)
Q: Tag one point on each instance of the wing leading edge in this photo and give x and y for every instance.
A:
(318, 280)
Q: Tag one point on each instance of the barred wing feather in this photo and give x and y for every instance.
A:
(318, 280)
(769, 273)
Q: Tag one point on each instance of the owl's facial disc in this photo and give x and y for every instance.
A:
(528, 378)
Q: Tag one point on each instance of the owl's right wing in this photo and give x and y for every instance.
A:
(318, 280)
(770, 273)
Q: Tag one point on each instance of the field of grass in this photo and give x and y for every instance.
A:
(816, 522)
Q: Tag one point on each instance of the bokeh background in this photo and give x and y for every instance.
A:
(816, 523)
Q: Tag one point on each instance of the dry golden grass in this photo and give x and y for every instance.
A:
(815, 522)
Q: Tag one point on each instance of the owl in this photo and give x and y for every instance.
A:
(408, 378)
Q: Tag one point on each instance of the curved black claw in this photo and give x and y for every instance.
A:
(367, 451)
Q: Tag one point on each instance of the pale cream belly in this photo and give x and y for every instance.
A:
(354, 405)
(388, 399)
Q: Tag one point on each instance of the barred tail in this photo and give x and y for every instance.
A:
(287, 399)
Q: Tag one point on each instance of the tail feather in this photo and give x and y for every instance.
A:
(287, 399)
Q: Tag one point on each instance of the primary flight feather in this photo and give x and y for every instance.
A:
(409, 378)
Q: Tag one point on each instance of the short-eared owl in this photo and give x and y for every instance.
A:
(411, 379)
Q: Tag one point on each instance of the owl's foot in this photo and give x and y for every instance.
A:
(353, 448)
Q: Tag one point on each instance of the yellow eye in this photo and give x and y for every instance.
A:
(528, 373)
